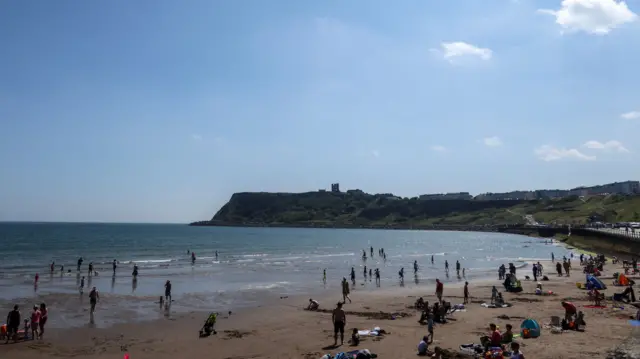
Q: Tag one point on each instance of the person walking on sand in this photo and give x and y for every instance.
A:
(94, 297)
(534, 271)
(466, 293)
(377, 276)
(339, 320)
(167, 291)
(439, 290)
(43, 318)
(353, 276)
(345, 290)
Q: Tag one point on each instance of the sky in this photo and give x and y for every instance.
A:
(159, 110)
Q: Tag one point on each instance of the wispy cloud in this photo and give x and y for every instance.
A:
(439, 148)
(631, 115)
(452, 50)
(612, 145)
(196, 137)
(493, 141)
(375, 153)
(596, 17)
(551, 153)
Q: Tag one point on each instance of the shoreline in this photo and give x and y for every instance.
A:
(281, 328)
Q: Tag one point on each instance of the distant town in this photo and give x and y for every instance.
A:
(623, 188)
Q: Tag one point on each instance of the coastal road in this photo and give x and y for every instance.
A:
(631, 234)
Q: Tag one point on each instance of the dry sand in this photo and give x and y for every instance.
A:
(285, 330)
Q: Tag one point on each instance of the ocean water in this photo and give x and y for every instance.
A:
(252, 263)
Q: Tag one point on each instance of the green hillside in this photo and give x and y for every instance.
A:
(356, 208)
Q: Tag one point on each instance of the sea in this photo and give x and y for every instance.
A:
(252, 264)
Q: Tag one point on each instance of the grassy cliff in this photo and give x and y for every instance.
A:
(356, 208)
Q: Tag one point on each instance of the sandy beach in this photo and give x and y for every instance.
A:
(282, 329)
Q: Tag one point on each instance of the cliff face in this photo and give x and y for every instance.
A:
(347, 208)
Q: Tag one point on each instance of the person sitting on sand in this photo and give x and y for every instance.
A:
(420, 303)
(494, 294)
(494, 338)
(515, 351)
(597, 297)
(437, 353)
(313, 304)
(507, 336)
(355, 337)
(423, 346)
(569, 310)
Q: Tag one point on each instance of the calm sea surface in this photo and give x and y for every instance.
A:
(251, 263)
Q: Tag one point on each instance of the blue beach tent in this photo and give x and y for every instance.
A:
(532, 326)
(594, 282)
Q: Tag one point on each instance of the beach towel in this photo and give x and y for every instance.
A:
(471, 349)
(505, 305)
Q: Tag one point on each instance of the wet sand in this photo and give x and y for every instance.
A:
(282, 329)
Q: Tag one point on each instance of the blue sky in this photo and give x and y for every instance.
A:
(157, 110)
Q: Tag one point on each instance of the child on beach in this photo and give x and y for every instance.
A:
(466, 293)
(430, 326)
(515, 351)
(355, 337)
(35, 322)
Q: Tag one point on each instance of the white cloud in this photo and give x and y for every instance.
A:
(492, 141)
(607, 146)
(196, 137)
(439, 148)
(550, 153)
(632, 115)
(451, 50)
(592, 16)
(375, 153)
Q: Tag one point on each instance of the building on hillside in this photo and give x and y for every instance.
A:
(443, 196)
(335, 187)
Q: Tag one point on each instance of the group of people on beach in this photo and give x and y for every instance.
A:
(33, 327)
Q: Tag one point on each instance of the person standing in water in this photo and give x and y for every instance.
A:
(458, 267)
(432, 259)
(401, 274)
(79, 263)
(53, 264)
(216, 255)
(324, 276)
(371, 251)
(353, 276)
(365, 272)
(135, 271)
(446, 266)
(115, 265)
(369, 274)
(377, 276)
(82, 285)
(553, 258)
(415, 267)
(90, 269)
(193, 257)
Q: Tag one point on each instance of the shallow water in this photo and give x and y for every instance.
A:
(251, 263)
